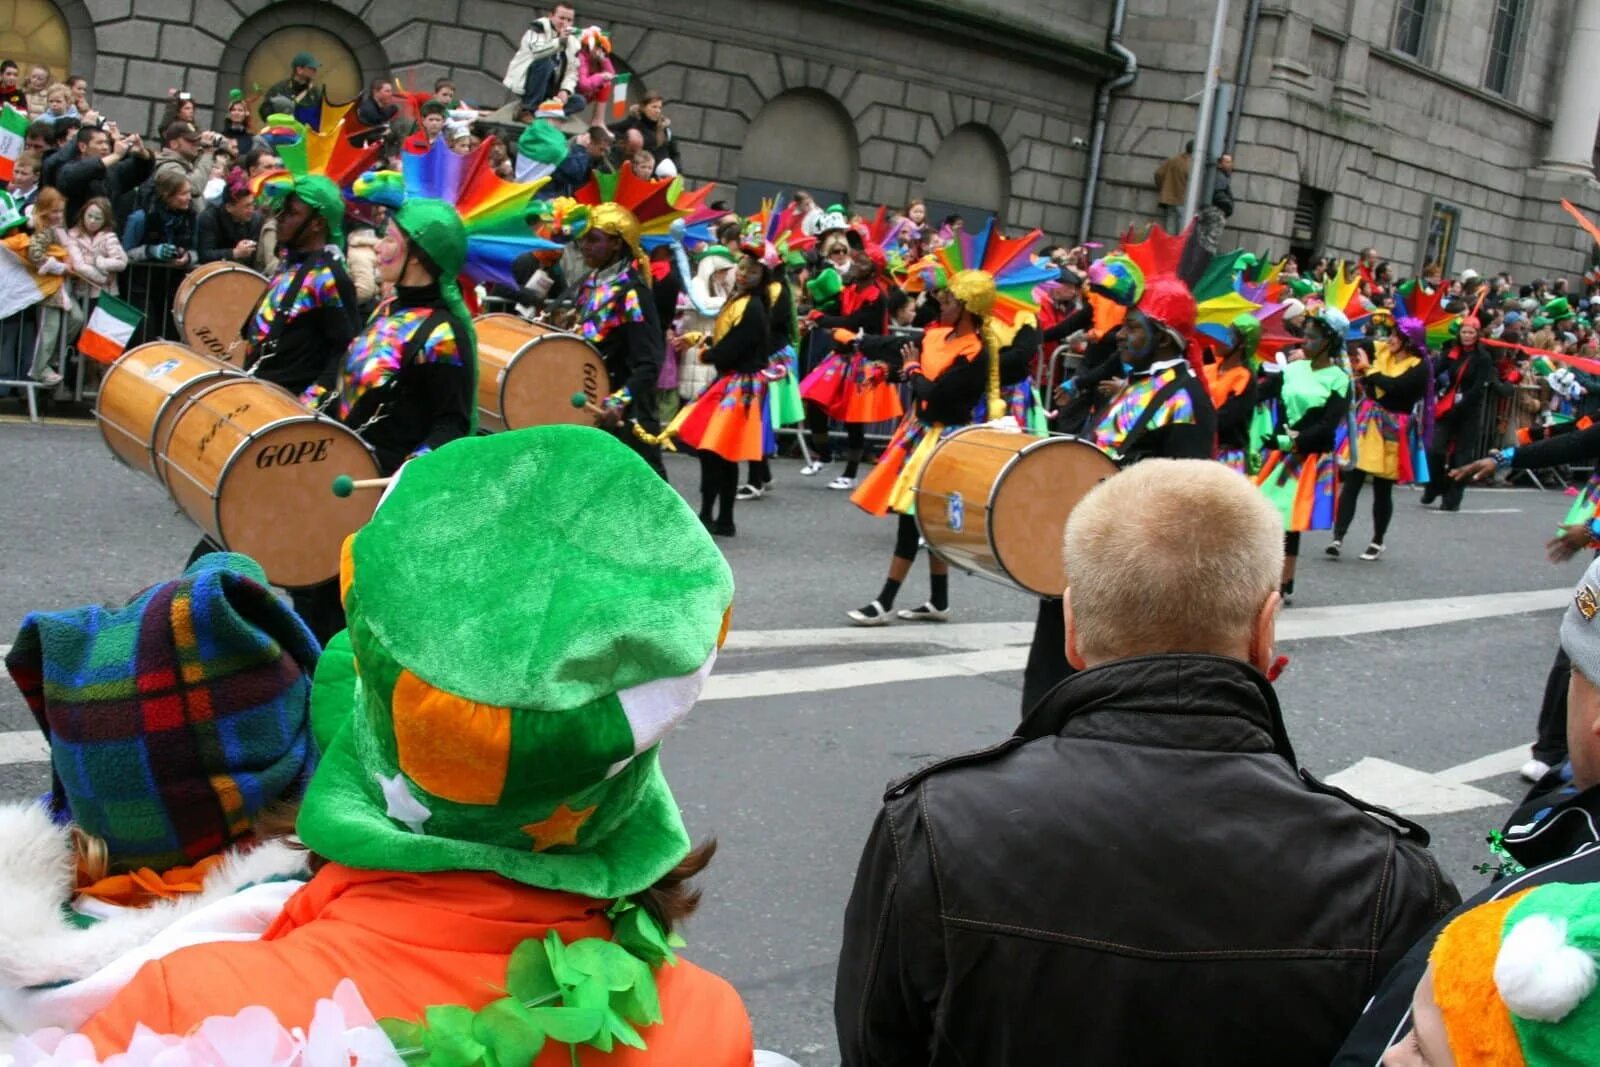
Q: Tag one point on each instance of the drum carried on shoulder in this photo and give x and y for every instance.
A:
(212, 304)
(241, 457)
(996, 503)
(528, 373)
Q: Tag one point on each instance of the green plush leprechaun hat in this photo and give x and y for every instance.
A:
(518, 652)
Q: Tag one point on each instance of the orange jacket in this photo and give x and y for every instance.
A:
(409, 941)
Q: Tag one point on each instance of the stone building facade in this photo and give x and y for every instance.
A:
(1403, 124)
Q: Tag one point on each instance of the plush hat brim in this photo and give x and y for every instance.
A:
(345, 814)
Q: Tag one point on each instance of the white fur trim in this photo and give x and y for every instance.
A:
(656, 707)
(40, 947)
(1539, 974)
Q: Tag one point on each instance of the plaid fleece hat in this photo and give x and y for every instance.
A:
(174, 720)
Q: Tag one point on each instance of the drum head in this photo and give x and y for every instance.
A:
(1033, 503)
(213, 309)
(275, 501)
(536, 388)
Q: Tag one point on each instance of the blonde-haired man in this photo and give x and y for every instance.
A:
(1139, 873)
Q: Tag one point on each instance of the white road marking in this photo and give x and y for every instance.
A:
(23, 746)
(1479, 511)
(1410, 792)
(979, 648)
(1491, 766)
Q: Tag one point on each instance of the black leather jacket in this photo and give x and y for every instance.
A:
(1138, 876)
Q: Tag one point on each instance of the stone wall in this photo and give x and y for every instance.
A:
(1327, 103)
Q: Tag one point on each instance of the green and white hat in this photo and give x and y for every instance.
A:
(517, 648)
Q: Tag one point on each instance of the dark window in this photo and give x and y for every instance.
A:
(1443, 224)
(1410, 25)
(1504, 38)
(1310, 213)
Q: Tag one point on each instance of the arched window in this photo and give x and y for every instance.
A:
(802, 139)
(34, 32)
(270, 61)
(969, 176)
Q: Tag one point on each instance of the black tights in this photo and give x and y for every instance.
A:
(855, 438)
(907, 538)
(719, 480)
(760, 473)
(1291, 544)
(1382, 504)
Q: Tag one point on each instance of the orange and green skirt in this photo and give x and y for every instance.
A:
(1304, 489)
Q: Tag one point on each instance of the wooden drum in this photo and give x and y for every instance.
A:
(212, 304)
(254, 470)
(143, 390)
(527, 373)
(996, 503)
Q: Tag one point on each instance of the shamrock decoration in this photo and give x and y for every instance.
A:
(591, 992)
(1507, 867)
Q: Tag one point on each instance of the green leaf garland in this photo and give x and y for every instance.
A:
(592, 992)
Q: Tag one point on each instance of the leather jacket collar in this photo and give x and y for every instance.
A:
(1185, 700)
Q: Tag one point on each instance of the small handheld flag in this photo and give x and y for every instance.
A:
(619, 98)
(111, 326)
(13, 129)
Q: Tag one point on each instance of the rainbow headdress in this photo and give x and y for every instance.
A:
(310, 154)
(1412, 300)
(995, 276)
(492, 209)
(1342, 292)
(655, 203)
(1217, 281)
(1008, 263)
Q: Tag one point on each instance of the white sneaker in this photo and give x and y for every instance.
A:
(871, 615)
(1534, 770)
(49, 379)
(814, 467)
(1373, 551)
(842, 482)
(926, 613)
(1333, 548)
(750, 492)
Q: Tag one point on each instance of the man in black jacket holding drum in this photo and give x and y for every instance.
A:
(1163, 410)
(308, 315)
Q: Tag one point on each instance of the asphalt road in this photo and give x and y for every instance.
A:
(805, 721)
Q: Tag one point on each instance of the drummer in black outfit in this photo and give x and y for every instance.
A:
(1175, 421)
(308, 315)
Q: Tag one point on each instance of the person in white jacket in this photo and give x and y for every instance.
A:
(545, 65)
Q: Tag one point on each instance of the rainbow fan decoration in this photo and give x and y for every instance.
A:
(1411, 299)
(656, 202)
(1343, 291)
(493, 210)
(304, 150)
(1008, 260)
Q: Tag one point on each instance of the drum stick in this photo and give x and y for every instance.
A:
(581, 401)
(344, 485)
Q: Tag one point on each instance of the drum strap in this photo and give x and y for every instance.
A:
(1141, 426)
(286, 301)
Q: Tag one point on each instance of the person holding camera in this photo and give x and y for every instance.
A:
(105, 163)
(165, 231)
(187, 151)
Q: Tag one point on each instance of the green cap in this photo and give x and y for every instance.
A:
(1557, 309)
(1247, 328)
(825, 288)
(503, 708)
(436, 228)
(304, 59)
(323, 197)
(10, 217)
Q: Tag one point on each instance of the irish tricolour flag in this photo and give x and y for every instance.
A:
(13, 127)
(619, 98)
(109, 329)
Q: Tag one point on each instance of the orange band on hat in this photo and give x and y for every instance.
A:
(1475, 1018)
(453, 748)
